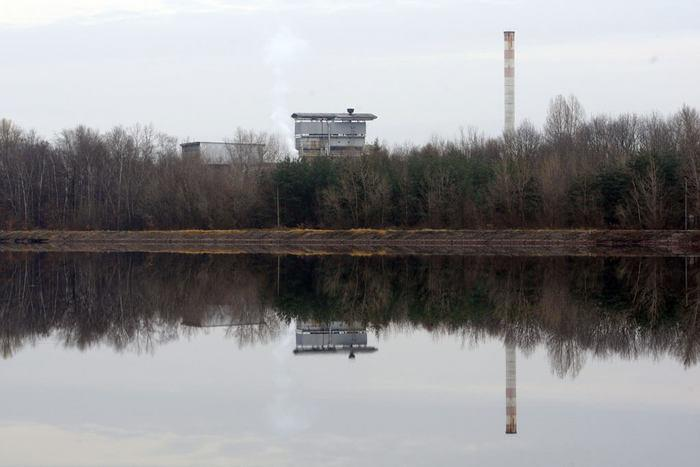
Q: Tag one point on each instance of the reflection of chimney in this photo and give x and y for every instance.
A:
(509, 80)
(511, 416)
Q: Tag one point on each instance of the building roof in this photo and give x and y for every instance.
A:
(333, 116)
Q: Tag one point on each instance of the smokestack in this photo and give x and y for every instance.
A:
(511, 415)
(509, 80)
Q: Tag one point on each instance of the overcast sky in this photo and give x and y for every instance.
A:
(199, 69)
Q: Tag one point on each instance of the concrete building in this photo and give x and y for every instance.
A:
(330, 134)
(220, 153)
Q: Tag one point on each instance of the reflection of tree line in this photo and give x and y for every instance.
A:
(573, 306)
(628, 307)
(129, 301)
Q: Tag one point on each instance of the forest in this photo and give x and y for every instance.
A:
(628, 171)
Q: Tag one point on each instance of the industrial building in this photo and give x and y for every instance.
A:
(223, 154)
(330, 134)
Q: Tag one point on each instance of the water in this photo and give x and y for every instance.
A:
(144, 359)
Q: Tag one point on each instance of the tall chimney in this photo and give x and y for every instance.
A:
(509, 80)
(511, 415)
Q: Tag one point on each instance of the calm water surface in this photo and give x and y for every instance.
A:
(190, 360)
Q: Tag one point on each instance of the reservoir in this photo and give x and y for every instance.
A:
(166, 359)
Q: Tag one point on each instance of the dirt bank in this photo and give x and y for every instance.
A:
(365, 241)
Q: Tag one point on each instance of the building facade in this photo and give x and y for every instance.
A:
(220, 153)
(330, 134)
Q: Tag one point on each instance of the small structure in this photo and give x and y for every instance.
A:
(223, 154)
(330, 134)
(336, 336)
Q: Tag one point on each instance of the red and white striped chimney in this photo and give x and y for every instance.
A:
(511, 415)
(509, 80)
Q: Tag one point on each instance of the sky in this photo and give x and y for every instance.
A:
(200, 69)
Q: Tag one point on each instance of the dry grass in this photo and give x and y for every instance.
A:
(365, 241)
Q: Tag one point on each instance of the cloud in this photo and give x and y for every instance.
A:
(29, 13)
(80, 446)
(42, 12)
(86, 446)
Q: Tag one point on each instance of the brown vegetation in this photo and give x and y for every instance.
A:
(366, 241)
(628, 172)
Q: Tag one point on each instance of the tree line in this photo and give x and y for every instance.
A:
(629, 171)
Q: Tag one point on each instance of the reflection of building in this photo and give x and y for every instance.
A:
(248, 323)
(330, 134)
(336, 336)
(511, 414)
(217, 153)
(224, 317)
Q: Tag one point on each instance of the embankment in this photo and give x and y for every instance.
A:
(365, 241)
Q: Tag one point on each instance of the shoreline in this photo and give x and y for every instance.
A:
(364, 242)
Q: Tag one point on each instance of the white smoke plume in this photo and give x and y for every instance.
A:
(282, 53)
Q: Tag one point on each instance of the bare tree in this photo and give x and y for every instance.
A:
(564, 118)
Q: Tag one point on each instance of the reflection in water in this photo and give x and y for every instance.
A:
(511, 405)
(335, 336)
(575, 307)
(246, 325)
